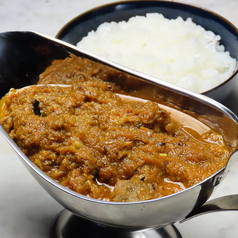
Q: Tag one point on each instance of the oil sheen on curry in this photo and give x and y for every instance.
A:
(91, 140)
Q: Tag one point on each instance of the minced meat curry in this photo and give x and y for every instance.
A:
(90, 140)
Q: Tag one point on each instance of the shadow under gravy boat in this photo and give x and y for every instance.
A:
(23, 57)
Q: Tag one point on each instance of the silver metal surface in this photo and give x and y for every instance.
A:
(24, 55)
(69, 225)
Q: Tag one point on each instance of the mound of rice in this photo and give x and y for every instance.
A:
(177, 51)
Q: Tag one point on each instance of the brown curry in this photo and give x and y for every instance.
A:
(94, 142)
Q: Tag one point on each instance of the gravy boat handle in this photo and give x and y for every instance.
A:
(224, 203)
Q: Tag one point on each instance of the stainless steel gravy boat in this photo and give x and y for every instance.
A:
(24, 55)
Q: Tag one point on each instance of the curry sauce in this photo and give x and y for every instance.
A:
(91, 140)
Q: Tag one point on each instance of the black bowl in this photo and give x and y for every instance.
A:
(79, 27)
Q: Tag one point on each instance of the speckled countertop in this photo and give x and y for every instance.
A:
(26, 210)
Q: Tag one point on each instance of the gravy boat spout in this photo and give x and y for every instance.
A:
(25, 55)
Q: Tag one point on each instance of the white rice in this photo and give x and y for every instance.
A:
(177, 51)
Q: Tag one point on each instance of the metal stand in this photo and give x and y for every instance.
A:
(69, 225)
